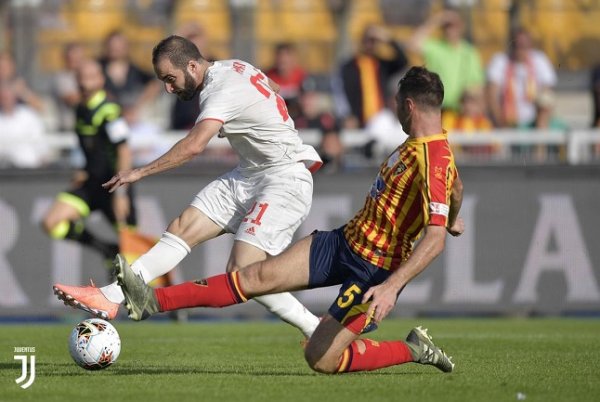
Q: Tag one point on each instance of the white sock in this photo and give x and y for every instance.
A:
(290, 310)
(169, 251)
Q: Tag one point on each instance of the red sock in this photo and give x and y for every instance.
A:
(376, 355)
(217, 291)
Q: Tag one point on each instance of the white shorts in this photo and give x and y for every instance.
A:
(264, 209)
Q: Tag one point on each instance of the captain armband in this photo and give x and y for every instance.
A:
(436, 208)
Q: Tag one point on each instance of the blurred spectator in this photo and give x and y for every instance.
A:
(288, 73)
(384, 131)
(22, 141)
(471, 115)
(8, 72)
(314, 116)
(184, 113)
(455, 60)
(64, 86)
(520, 85)
(596, 95)
(130, 86)
(365, 76)
(470, 119)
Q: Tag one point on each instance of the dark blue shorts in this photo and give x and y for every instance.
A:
(332, 262)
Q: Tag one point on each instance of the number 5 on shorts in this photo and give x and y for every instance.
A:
(348, 297)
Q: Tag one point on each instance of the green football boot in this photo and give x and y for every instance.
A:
(140, 299)
(425, 352)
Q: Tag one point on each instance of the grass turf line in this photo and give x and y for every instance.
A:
(496, 359)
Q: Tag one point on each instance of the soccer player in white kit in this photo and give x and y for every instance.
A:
(262, 201)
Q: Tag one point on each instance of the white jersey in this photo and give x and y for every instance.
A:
(255, 119)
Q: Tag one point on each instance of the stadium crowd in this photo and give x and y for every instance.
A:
(516, 89)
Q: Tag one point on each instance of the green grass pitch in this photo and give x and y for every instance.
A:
(496, 360)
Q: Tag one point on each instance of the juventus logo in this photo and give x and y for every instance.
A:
(27, 370)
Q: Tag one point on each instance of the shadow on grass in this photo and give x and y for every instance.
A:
(204, 370)
(232, 370)
(238, 371)
(71, 370)
(119, 370)
(47, 369)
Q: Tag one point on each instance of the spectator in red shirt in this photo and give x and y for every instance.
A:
(288, 73)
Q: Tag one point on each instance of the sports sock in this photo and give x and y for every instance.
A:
(375, 355)
(169, 251)
(217, 291)
(290, 310)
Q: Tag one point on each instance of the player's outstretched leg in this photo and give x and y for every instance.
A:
(140, 299)
(425, 352)
(87, 298)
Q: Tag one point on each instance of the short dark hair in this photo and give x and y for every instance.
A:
(177, 49)
(423, 86)
(284, 46)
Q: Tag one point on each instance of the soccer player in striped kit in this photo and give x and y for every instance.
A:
(416, 192)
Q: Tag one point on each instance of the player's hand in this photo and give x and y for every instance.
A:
(121, 208)
(383, 299)
(122, 178)
(457, 228)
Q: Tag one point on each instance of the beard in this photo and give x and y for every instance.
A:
(190, 88)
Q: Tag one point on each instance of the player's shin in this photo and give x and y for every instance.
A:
(217, 291)
(169, 251)
(367, 354)
(290, 310)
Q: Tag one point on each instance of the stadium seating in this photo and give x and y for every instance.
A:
(89, 22)
(307, 24)
(84, 21)
(489, 24)
(214, 16)
(360, 14)
(567, 31)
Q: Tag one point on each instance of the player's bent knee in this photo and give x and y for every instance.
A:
(55, 229)
(319, 363)
(175, 227)
(49, 221)
(46, 224)
(232, 268)
(253, 281)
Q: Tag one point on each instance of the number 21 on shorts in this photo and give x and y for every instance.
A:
(254, 215)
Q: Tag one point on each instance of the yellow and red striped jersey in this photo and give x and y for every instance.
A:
(411, 190)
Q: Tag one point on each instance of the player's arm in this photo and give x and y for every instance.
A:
(420, 35)
(121, 203)
(184, 150)
(456, 225)
(124, 157)
(383, 297)
(493, 98)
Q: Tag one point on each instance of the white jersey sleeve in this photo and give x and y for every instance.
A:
(255, 118)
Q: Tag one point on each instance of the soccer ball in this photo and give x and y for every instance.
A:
(94, 344)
